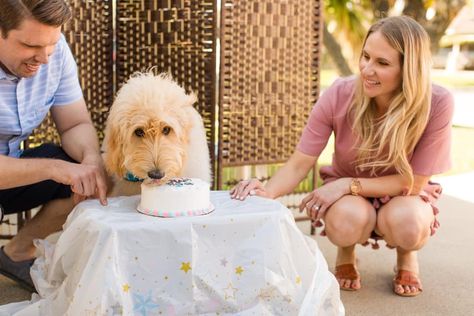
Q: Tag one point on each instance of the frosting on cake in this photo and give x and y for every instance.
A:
(177, 197)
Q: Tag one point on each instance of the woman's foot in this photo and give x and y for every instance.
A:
(406, 281)
(346, 271)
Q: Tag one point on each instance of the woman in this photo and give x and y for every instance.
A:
(392, 133)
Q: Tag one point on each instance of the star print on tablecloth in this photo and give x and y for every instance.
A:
(185, 266)
(229, 291)
(239, 270)
(125, 287)
(224, 262)
(117, 309)
(298, 280)
(266, 293)
(143, 304)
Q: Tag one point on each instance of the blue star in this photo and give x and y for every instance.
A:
(143, 303)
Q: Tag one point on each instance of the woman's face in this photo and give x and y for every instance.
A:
(380, 69)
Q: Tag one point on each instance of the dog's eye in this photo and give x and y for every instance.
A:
(166, 130)
(139, 132)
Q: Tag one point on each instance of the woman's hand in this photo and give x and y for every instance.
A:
(248, 187)
(318, 201)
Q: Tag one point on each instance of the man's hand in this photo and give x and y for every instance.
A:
(86, 179)
(101, 176)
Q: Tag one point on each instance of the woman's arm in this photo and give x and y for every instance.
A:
(318, 201)
(290, 175)
(283, 182)
(389, 185)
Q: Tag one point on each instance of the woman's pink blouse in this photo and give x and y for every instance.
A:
(431, 155)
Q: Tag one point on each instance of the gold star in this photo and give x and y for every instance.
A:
(239, 270)
(229, 291)
(298, 280)
(125, 287)
(185, 266)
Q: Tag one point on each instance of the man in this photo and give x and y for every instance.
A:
(38, 74)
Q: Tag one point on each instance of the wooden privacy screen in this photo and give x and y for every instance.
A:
(175, 36)
(267, 81)
(269, 78)
(90, 36)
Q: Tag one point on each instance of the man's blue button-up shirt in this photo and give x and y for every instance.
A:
(24, 102)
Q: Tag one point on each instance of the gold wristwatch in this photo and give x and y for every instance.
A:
(355, 186)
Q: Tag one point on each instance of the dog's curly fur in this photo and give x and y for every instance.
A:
(153, 127)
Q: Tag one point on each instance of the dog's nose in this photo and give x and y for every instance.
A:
(156, 174)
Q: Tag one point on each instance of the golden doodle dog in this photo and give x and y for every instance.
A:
(153, 131)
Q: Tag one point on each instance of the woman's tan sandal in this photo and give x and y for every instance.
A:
(407, 278)
(347, 271)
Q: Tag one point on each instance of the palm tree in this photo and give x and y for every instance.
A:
(349, 20)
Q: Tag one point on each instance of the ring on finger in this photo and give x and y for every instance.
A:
(316, 207)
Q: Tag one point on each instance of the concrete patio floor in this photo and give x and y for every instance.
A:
(446, 265)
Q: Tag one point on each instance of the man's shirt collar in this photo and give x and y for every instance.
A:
(6, 76)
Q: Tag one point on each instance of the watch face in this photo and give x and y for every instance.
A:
(355, 187)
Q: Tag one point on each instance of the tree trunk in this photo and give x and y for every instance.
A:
(335, 51)
(446, 11)
(380, 8)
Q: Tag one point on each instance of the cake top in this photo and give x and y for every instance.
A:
(174, 182)
(179, 182)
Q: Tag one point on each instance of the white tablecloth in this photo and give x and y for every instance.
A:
(246, 258)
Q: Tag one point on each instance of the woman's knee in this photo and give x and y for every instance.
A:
(347, 222)
(405, 224)
(411, 236)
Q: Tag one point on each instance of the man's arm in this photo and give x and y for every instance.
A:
(18, 172)
(79, 141)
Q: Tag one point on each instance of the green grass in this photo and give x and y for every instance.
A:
(459, 79)
(462, 150)
(327, 77)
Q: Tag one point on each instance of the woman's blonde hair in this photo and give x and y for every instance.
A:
(387, 142)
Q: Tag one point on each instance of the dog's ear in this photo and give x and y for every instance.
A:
(191, 98)
(113, 144)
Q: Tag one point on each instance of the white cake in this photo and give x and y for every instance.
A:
(177, 197)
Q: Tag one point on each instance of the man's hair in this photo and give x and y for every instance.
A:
(48, 12)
